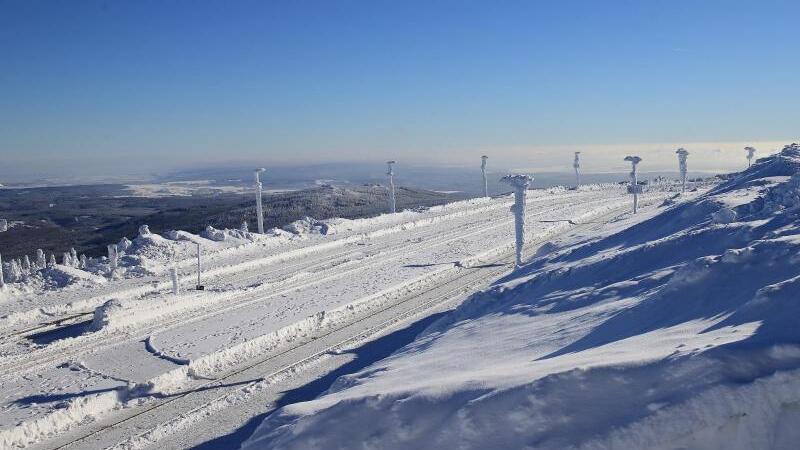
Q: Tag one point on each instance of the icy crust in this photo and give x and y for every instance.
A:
(676, 332)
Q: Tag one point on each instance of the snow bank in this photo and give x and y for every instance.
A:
(675, 332)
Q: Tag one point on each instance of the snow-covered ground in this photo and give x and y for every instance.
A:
(674, 329)
(84, 345)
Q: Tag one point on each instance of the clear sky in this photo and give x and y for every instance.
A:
(86, 86)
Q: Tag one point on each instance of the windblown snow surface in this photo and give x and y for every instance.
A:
(677, 332)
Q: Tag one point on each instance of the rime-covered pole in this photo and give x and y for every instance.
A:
(2, 281)
(576, 164)
(390, 174)
(634, 182)
(682, 154)
(112, 256)
(520, 183)
(259, 208)
(483, 171)
(751, 151)
(198, 265)
(173, 273)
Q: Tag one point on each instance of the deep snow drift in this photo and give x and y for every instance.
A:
(677, 332)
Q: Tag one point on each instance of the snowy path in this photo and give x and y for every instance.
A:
(383, 273)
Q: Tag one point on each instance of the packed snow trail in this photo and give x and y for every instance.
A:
(403, 262)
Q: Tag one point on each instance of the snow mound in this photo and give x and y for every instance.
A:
(309, 225)
(675, 332)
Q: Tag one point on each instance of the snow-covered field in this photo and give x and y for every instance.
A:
(675, 329)
(86, 345)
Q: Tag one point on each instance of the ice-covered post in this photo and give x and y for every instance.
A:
(682, 154)
(576, 164)
(483, 171)
(520, 184)
(259, 208)
(199, 286)
(390, 173)
(173, 273)
(2, 281)
(634, 182)
(112, 256)
(751, 151)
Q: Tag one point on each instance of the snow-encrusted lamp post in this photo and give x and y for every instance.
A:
(751, 151)
(576, 164)
(259, 208)
(520, 184)
(483, 172)
(390, 174)
(682, 154)
(634, 189)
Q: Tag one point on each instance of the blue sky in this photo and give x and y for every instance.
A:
(141, 85)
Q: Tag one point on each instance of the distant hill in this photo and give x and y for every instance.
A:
(90, 217)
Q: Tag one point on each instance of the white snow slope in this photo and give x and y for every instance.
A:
(112, 343)
(679, 331)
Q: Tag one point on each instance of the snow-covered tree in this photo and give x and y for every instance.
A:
(15, 271)
(51, 262)
(144, 231)
(83, 262)
(41, 261)
(26, 264)
(576, 164)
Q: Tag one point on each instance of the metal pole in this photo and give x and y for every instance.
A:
(390, 173)
(483, 171)
(259, 209)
